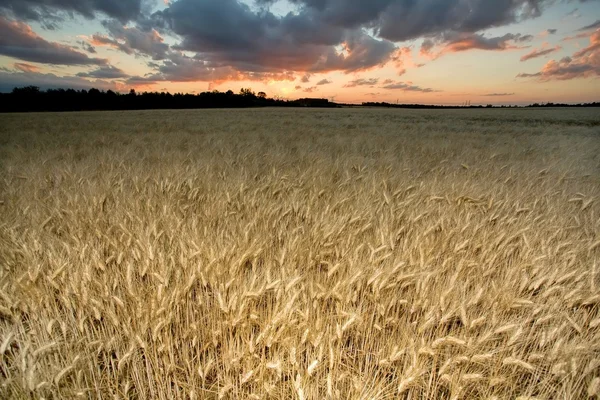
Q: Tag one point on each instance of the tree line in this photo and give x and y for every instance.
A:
(31, 98)
(427, 106)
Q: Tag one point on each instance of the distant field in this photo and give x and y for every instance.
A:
(299, 253)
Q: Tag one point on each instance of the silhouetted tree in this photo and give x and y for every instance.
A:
(247, 92)
(26, 91)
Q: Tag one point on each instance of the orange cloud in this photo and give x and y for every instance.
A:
(470, 41)
(584, 63)
(539, 53)
(23, 67)
(458, 42)
(403, 57)
(592, 49)
(19, 41)
(582, 35)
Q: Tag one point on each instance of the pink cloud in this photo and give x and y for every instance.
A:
(23, 67)
(584, 63)
(539, 53)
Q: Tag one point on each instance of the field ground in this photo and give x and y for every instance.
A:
(297, 253)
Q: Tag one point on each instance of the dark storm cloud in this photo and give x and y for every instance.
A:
(52, 11)
(364, 52)
(433, 16)
(181, 68)
(231, 33)
(227, 32)
(398, 20)
(17, 40)
(132, 40)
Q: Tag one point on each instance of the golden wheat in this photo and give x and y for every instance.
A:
(343, 254)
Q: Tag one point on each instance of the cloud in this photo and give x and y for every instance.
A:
(573, 13)
(232, 38)
(466, 41)
(362, 82)
(216, 40)
(590, 26)
(86, 46)
(361, 52)
(230, 32)
(426, 47)
(539, 53)
(51, 12)
(584, 63)
(12, 79)
(421, 18)
(324, 82)
(454, 42)
(18, 40)
(551, 31)
(581, 35)
(400, 20)
(498, 94)
(103, 40)
(305, 78)
(593, 50)
(310, 89)
(23, 67)
(403, 57)
(406, 87)
(132, 40)
(182, 68)
(106, 72)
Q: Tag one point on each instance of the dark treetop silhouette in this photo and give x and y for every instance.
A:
(31, 98)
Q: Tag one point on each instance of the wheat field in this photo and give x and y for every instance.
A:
(300, 254)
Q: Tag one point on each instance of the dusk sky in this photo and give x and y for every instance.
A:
(411, 51)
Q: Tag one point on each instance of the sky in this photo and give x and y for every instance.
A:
(406, 51)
